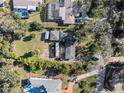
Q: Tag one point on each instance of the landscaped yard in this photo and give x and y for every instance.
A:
(21, 47)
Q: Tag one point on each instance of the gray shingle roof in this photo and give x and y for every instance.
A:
(54, 35)
(70, 52)
(53, 11)
(51, 85)
(67, 40)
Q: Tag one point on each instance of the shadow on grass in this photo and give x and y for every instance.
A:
(27, 38)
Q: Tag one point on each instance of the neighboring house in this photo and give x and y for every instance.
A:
(40, 85)
(1, 3)
(53, 11)
(67, 12)
(117, 78)
(23, 7)
(62, 44)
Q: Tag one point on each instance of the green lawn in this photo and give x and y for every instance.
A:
(35, 16)
(87, 40)
(21, 47)
(90, 80)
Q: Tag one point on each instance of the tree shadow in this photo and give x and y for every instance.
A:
(26, 55)
(51, 72)
(27, 38)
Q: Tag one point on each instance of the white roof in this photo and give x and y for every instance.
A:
(26, 3)
(51, 85)
(1, 2)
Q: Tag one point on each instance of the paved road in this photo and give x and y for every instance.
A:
(83, 76)
(78, 78)
(86, 75)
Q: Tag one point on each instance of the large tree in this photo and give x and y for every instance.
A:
(8, 80)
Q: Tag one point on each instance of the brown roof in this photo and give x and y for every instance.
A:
(69, 17)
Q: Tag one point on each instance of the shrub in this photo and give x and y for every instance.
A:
(15, 16)
(35, 26)
(30, 37)
(18, 36)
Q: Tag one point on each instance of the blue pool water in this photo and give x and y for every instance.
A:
(31, 89)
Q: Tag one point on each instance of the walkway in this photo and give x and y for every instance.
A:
(89, 74)
(115, 59)
(78, 78)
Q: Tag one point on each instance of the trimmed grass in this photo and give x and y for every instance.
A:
(21, 47)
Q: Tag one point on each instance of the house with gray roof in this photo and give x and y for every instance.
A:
(70, 52)
(30, 5)
(67, 12)
(41, 85)
(62, 44)
(53, 11)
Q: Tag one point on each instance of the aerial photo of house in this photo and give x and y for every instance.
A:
(61, 46)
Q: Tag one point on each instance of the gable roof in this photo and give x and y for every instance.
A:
(50, 85)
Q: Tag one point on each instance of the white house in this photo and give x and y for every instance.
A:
(30, 5)
(1, 3)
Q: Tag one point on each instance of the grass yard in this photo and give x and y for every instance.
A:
(87, 40)
(90, 80)
(35, 16)
(21, 47)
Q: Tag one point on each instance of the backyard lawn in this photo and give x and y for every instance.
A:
(21, 47)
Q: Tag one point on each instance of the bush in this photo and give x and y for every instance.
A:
(30, 37)
(35, 26)
(18, 36)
